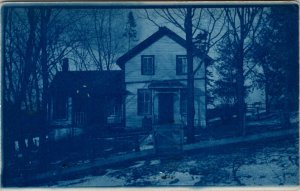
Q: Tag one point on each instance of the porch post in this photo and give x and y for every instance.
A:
(152, 98)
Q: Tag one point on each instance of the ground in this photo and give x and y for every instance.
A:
(270, 163)
(266, 163)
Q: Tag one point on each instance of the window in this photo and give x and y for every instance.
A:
(181, 65)
(115, 107)
(60, 108)
(183, 101)
(147, 65)
(115, 112)
(144, 102)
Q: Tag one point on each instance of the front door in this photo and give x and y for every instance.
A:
(166, 108)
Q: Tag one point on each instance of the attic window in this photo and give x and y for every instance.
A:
(147, 66)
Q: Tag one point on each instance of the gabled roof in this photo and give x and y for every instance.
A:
(93, 82)
(162, 31)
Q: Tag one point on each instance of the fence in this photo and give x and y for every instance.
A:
(255, 110)
(168, 139)
(79, 119)
(227, 112)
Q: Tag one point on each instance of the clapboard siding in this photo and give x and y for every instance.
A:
(164, 50)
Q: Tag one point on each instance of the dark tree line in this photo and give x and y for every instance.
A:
(33, 44)
(261, 48)
(35, 41)
(276, 50)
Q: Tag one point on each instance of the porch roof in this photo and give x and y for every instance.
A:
(166, 84)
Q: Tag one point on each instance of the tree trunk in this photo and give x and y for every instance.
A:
(37, 91)
(45, 16)
(108, 63)
(267, 100)
(28, 62)
(240, 97)
(241, 78)
(190, 77)
(7, 146)
(285, 113)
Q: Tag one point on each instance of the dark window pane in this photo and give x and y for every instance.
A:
(60, 108)
(147, 66)
(144, 102)
(181, 65)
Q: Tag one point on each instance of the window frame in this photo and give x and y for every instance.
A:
(141, 103)
(115, 108)
(179, 67)
(143, 65)
(115, 111)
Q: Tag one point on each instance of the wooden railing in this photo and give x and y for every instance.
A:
(80, 118)
(114, 119)
(255, 109)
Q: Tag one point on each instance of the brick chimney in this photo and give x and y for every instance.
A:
(65, 65)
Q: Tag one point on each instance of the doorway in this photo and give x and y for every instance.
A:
(166, 108)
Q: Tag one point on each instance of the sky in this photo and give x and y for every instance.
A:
(145, 28)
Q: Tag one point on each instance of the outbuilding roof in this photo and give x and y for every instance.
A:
(93, 82)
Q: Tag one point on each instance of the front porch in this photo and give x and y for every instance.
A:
(161, 102)
(89, 114)
(169, 103)
(102, 112)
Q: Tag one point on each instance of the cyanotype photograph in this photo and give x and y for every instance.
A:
(123, 94)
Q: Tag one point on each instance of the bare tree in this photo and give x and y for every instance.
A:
(243, 24)
(190, 22)
(29, 50)
(34, 44)
(103, 39)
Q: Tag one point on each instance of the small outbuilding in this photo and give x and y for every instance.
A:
(87, 98)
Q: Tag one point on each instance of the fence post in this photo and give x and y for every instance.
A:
(137, 144)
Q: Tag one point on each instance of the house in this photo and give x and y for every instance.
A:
(150, 88)
(155, 74)
(87, 98)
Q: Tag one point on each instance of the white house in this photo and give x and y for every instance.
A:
(156, 77)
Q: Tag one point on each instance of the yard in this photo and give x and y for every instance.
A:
(262, 164)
